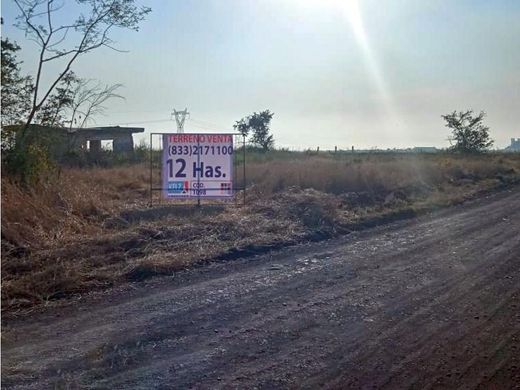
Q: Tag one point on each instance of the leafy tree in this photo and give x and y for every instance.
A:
(242, 126)
(55, 110)
(61, 38)
(64, 43)
(16, 93)
(258, 124)
(469, 132)
(16, 89)
(75, 101)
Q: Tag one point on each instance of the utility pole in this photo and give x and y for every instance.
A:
(180, 117)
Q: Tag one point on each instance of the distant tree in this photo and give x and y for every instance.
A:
(242, 126)
(258, 125)
(468, 131)
(64, 43)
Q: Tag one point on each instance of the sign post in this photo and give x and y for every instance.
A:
(197, 166)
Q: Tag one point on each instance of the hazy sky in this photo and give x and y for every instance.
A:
(366, 73)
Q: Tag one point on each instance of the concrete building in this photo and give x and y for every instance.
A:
(90, 138)
(62, 140)
(515, 145)
(425, 149)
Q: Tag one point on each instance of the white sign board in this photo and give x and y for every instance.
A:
(197, 165)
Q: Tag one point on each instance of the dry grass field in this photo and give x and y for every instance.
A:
(93, 228)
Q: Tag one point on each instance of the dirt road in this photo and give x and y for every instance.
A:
(432, 302)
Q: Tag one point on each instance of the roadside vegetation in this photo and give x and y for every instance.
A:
(92, 228)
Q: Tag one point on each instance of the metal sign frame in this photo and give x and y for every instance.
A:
(198, 197)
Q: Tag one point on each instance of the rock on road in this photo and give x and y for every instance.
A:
(430, 302)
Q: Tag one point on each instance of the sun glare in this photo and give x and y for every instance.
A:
(352, 12)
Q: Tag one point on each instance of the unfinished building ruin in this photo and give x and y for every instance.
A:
(515, 145)
(59, 141)
(90, 138)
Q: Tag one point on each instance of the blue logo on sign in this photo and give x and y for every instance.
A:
(175, 187)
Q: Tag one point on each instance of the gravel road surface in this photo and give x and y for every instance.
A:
(431, 302)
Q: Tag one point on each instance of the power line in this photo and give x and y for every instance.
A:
(136, 122)
(208, 125)
(198, 123)
(205, 123)
(211, 128)
(137, 111)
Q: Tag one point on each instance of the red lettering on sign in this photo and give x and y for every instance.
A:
(202, 138)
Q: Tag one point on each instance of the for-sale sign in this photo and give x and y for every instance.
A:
(197, 165)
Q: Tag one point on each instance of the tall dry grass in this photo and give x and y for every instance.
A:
(79, 200)
(377, 173)
(57, 239)
(71, 204)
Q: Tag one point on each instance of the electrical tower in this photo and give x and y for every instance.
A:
(180, 117)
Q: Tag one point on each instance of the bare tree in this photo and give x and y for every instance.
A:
(88, 99)
(65, 43)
